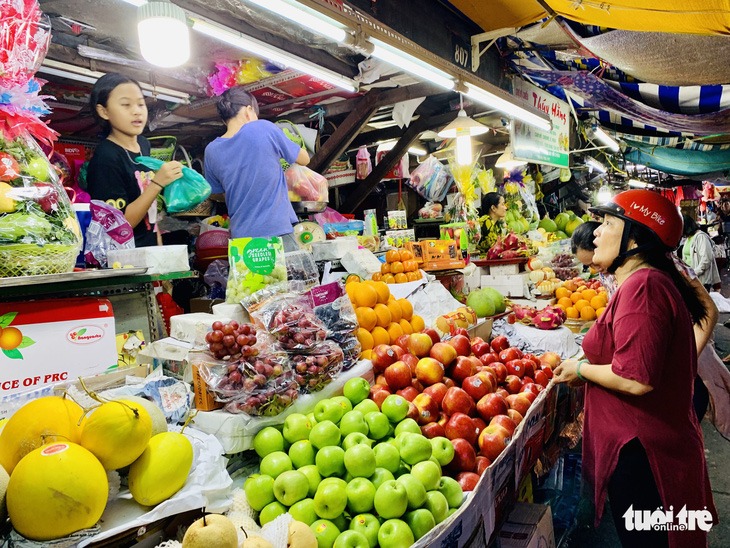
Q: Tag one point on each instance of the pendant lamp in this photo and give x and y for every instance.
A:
(463, 128)
(507, 161)
(164, 39)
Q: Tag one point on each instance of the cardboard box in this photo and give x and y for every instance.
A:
(204, 400)
(528, 526)
(509, 286)
(482, 329)
(128, 346)
(58, 340)
(504, 269)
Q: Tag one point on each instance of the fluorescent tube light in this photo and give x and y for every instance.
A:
(137, 3)
(635, 183)
(317, 24)
(389, 145)
(595, 164)
(256, 47)
(411, 64)
(508, 107)
(606, 139)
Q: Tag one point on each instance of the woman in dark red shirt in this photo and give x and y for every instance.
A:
(642, 443)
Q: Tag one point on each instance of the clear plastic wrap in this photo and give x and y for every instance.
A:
(305, 185)
(317, 368)
(338, 230)
(108, 231)
(431, 179)
(254, 264)
(217, 273)
(336, 312)
(301, 271)
(289, 318)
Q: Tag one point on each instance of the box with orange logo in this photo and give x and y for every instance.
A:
(50, 341)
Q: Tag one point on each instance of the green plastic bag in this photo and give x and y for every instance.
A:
(184, 194)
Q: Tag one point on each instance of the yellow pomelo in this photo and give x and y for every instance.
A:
(56, 490)
(159, 422)
(117, 433)
(3, 488)
(39, 422)
(162, 469)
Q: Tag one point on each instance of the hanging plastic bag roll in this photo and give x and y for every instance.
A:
(185, 193)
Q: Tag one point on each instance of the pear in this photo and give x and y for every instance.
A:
(211, 530)
(301, 536)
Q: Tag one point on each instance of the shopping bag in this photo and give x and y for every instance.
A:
(185, 193)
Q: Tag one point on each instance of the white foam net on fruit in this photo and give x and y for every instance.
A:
(243, 516)
(115, 483)
(170, 544)
(277, 531)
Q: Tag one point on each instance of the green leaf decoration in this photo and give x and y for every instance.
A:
(7, 319)
(82, 331)
(13, 354)
(26, 342)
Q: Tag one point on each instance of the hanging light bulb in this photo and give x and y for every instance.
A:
(462, 129)
(463, 149)
(604, 194)
(163, 33)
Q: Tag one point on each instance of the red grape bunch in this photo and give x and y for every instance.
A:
(297, 328)
(232, 340)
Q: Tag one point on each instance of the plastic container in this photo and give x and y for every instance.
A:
(371, 223)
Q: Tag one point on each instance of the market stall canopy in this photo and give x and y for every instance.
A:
(709, 17)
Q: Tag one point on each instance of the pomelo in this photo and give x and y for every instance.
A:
(548, 225)
(573, 223)
(159, 422)
(162, 469)
(481, 303)
(561, 219)
(497, 298)
(56, 490)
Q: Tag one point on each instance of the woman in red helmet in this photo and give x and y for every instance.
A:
(642, 444)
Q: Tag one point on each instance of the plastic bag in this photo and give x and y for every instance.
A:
(291, 321)
(363, 163)
(217, 273)
(338, 230)
(305, 185)
(400, 171)
(334, 308)
(431, 179)
(301, 271)
(108, 230)
(254, 264)
(431, 210)
(318, 367)
(183, 194)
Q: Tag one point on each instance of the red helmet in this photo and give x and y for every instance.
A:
(647, 208)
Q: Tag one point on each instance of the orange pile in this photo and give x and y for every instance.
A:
(583, 303)
(399, 267)
(382, 318)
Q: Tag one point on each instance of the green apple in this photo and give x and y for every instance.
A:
(343, 402)
(328, 410)
(301, 453)
(341, 522)
(436, 504)
(380, 476)
(313, 478)
(311, 418)
(275, 463)
(415, 448)
(259, 491)
(367, 406)
(420, 522)
(451, 512)
(291, 487)
(331, 461)
(378, 425)
(368, 525)
(271, 511)
(407, 425)
(398, 440)
(355, 438)
(435, 461)
(360, 495)
(297, 427)
(442, 449)
(330, 500)
(395, 533)
(38, 168)
(356, 390)
(348, 477)
(268, 440)
(360, 461)
(387, 456)
(391, 500)
(403, 468)
(304, 511)
(325, 433)
(395, 408)
(325, 532)
(451, 489)
(351, 539)
(414, 489)
(353, 421)
(428, 473)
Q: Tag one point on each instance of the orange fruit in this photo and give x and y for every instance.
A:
(366, 354)
(377, 277)
(366, 339)
(396, 267)
(410, 266)
(562, 292)
(350, 290)
(588, 294)
(391, 299)
(413, 276)
(406, 308)
(562, 307)
(581, 288)
(385, 268)
(418, 273)
(565, 302)
(406, 326)
(383, 315)
(600, 311)
(383, 292)
(417, 323)
(380, 336)
(366, 317)
(394, 331)
(392, 255)
(365, 295)
(572, 313)
(401, 278)
(587, 313)
(352, 278)
(405, 255)
(569, 285)
(395, 311)
(580, 304)
(575, 297)
(388, 278)
(599, 301)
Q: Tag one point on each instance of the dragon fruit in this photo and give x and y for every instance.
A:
(558, 311)
(546, 320)
(511, 241)
(523, 312)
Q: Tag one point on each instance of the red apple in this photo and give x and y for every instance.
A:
(461, 344)
(465, 457)
(467, 480)
(379, 396)
(398, 375)
(515, 416)
(412, 411)
(402, 341)
(518, 402)
(489, 372)
(491, 405)
(408, 393)
(479, 424)
(419, 344)
(383, 356)
(399, 352)
(463, 332)
(529, 368)
(457, 401)
(429, 371)
(433, 430)
(443, 352)
(380, 380)
(489, 358)
(492, 441)
(534, 359)
(527, 380)
(435, 337)
(460, 425)
(437, 392)
(529, 395)
(505, 422)
(448, 381)
(515, 367)
(541, 378)
(513, 384)
(502, 392)
(428, 409)
(415, 383)
(550, 359)
(480, 349)
(461, 369)
(500, 343)
(531, 387)
(412, 361)
(510, 354)
(500, 371)
(477, 386)
(548, 371)
(482, 464)
(443, 419)
(476, 340)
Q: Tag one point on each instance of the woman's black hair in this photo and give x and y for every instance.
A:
(100, 95)
(233, 100)
(582, 237)
(488, 200)
(690, 226)
(657, 256)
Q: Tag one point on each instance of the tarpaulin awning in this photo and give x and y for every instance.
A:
(678, 161)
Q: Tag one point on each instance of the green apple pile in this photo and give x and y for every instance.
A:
(358, 475)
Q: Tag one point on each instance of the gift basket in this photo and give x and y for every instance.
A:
(518, 190)
(464, 208)
(39, 232)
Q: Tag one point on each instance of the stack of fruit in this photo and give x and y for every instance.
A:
(562, 226)
(57, 456)
(486, 302)
(581, 299)
(382, 317)
(399, 267)
(358, 473)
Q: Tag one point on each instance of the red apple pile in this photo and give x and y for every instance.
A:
(471, 391)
